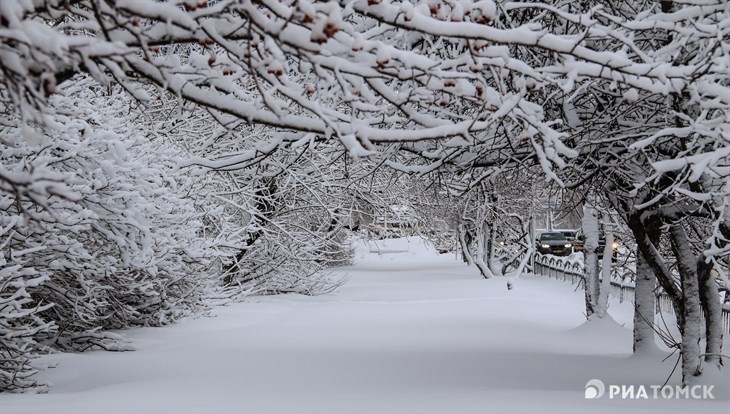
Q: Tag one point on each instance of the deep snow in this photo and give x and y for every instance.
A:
(410, 332)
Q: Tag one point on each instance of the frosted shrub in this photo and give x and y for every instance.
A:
(96, 236)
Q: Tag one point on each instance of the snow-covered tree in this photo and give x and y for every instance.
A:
(627, 98)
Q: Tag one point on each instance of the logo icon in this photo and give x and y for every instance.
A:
(595, 389)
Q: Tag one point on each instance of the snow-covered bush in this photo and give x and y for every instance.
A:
(20, 323)
(96, 233)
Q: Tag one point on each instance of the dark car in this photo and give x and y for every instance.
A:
(569, 235)
(554, 243)
(580, 240)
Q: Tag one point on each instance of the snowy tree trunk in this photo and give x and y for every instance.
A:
(605, 275)
(481, 254)
(464, 242)
(692, 321)
(532, 249)
(644, 306)
(647, 233)
(495, 266)
(710, 300)
(590, 231)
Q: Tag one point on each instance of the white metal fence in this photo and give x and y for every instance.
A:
(622, 288)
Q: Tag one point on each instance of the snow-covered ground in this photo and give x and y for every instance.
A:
(410, 332)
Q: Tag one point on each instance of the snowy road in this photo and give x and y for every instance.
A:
(409, 333)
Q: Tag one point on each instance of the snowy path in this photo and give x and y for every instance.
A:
(409, 333)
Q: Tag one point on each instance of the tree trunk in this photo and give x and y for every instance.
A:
(465, 241)
(590, 231)
(710, 300)
(644, 306)
(495, 266)
(647, 233)
(692, 321)
(605, 288)
(481, 253)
